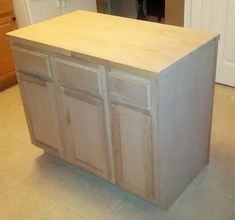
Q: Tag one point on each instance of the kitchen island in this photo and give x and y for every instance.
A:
(127, 100)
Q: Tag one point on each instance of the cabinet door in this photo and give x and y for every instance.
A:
(133, 150)
(6, 6)
(40, 108)
(85, 119)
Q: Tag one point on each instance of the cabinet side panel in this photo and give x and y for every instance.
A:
(184, 120)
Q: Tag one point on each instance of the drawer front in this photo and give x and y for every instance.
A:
(129, 90)
(77, 75)
(32, 62)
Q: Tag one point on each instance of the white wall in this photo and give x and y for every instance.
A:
(216, 16)
(40, 10)
(71, 5)
(33, 11)
(187, 13)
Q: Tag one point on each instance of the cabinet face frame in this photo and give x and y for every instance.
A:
(70, 145)
(22, 77)
(148, 192)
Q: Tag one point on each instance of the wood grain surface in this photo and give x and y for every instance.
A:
(113, 40)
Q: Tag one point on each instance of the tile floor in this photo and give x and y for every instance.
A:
(37, 186)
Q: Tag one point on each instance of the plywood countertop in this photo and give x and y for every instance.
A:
(139, 45)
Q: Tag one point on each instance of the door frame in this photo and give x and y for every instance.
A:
(21, 13)
(201, 15)
(187, 13)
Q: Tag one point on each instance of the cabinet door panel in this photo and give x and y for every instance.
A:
(86, 119)
(38, 98)
(132, 147)
(6, 61)
(7, 69)
(6, 7)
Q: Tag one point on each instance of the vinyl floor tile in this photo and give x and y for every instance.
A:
(206, 205)
(95, 199)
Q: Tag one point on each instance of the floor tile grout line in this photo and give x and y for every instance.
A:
(184, 201)
(73, 191)
(26, 184)
(76, 212)
(38, 192)
(216, 193)
(71, 210)
(51, 210)
(119, 205)
(41, 196)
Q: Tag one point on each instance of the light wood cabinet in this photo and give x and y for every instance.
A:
(133, 156)
(137, 114)
(87, 143)
(40, 107)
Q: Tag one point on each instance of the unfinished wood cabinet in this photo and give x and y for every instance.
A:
(136, 113)
(87, 144)
(40, 107)
(133, 156)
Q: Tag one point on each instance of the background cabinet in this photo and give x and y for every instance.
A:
(171, 10)
(87, 145)
(131, 131)
(7, 23)
(39, 103)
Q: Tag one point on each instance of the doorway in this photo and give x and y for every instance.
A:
(163, 11)
(216, 16)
